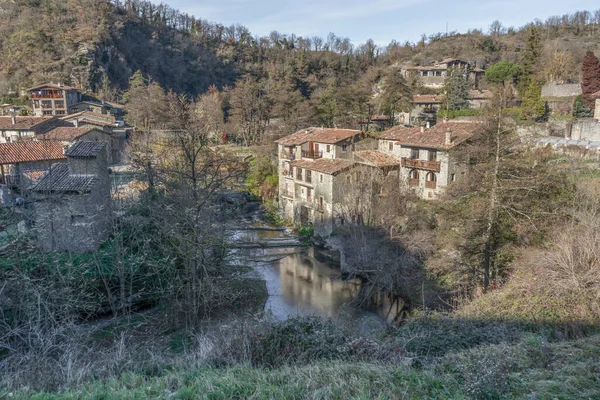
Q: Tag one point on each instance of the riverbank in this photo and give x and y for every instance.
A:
(530, 369)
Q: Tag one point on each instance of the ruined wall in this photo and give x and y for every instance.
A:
(553, 89)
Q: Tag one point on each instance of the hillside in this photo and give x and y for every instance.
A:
(76, 41)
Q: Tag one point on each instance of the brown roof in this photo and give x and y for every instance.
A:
(22, 122)
(319, 135)
(34, 175)
(427, 99)
(376, 158)
(13, 153)
(434, 137)
(596, 95)
(109, 119)
(324, 165)
(426, 68)
(52, 86)
(480, 94)
(66, 133)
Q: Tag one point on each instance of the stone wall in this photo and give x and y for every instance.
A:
(553, 89)
(586, 129)
(597, 110)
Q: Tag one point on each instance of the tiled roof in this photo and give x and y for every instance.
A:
(52, 86)
(18, 152)
(319, 135)
(85, 149)
(324, 165)
(596, 95)
(376, 158)
(480, 94)
(426, 68)
(92, 116)
(427, 99)
(34, 175)
(58, 179)
(66, 133)
(22, 122)
(434, 137)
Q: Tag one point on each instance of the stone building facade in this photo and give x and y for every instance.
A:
(53, 99)
(334, 185)
(72, 201)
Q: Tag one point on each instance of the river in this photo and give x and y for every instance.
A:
(301, 281)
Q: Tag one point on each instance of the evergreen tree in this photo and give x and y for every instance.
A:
(456, 89)
(533, 50)
(580, 110)
(396, 94)
(532, 106)
(590, 79)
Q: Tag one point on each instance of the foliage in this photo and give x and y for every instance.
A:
(395, 95)
(458, 113)
(263, 179)
(590, 79)
(580, 110)
(502, 72)
(456, 90)
(532, 106)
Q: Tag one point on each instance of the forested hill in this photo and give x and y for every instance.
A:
(77, 41)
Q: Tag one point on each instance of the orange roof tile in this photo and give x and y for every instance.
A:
(434, 137)
(6, 123)
(427, 99)
(13, 153)
(52, 86)
(34, 175)
(66, 133)
(319, 135)
(376, 158)
(324, 165)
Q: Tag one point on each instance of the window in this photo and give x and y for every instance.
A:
(348, 179)
(46, 104)
(391, 146)
(60, 112)
(452, 177)
(321, 202)
(308, 176)
(413, 178)
(59, 104)
(344, 146)
(321, 178)
(414, 154)
(432, 155)
(298, 173)
(328, 148)
(430, 180)
(47, 112)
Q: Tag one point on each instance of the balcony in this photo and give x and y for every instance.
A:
(53, 95)
(287, 173)
(421, 164)
(430, 184)
(413, 182)
(287, 194)
(312, 154)
(287, 156)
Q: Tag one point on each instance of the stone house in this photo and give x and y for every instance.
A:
(87, 118)
(319, 168)
(53, 99)
(425, 154)
(21, 163)
(69, 135)
(71, 201)
(15, 128)
(434, 75)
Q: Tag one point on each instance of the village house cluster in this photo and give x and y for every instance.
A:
(54, 165)
(323, 171)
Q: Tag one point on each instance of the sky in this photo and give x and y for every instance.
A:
(380, 20)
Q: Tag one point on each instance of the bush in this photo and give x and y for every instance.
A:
(299, 340)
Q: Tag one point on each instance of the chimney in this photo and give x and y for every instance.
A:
(13, 119)
(76, 123)
(448, 136)
(422, 128)
(428, 124)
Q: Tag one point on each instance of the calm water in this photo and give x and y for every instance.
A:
(299, 282)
